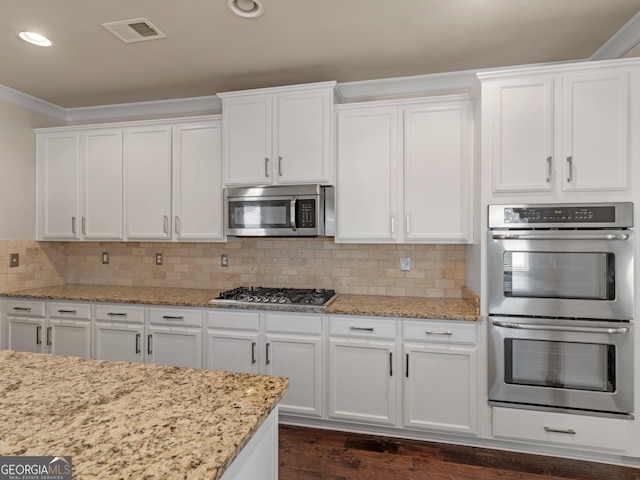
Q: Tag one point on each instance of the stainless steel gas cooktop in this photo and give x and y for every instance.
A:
(292, 299)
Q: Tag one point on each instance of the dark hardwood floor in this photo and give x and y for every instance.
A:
(307, 453)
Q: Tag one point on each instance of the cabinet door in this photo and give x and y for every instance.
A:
(25, 334)
(523, 135)
(367, 184)
(596, 127)
(247, 145)
(119, 341)
(197, 182)
(302, 133)
(440, 391)
(147, 156)
(69, 337)
(437, 173)
(102, 192)
(299, 358)
(58, 173)
(362, 381)
(174, 346)
(237, 352)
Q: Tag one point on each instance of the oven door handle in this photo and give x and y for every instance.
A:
(560, 236)
(555, 328)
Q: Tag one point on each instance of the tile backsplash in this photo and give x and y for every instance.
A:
(436, 270)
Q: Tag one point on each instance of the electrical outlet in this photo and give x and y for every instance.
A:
(14, 260)
(224, 260)
(405, 264)
(105, 258)
(159, 259)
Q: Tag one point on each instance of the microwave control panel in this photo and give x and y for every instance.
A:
(306, 213)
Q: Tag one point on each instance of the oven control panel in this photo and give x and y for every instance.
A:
(612, 215)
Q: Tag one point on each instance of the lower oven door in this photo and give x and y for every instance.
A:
(567, 364)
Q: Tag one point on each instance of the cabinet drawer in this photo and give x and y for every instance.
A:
(175, 316)
(440, 332)
(233, 320)
(363, 327)
(293, 323)
(120, 313)
(564, 429)
(27, 308)
(80, 311)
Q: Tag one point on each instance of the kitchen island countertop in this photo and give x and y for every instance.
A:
(465, 308)
(126, 420)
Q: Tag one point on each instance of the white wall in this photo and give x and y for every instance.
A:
(17, 169)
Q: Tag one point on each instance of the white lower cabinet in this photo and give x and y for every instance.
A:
(281, 344)
(363, 370)
(119, 332)
(440, 376)
(174, 337)
(60, 328)
(605, 434)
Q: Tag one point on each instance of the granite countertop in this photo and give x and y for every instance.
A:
(466, 308)
(127, 420)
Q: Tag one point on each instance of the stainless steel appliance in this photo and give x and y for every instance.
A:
(560, 303)
(295, 299)
(280, 211)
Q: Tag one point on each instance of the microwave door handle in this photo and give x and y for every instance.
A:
(542, 236)
(292, 214)
(555, 328)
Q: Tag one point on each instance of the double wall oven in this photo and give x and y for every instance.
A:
(561, 308)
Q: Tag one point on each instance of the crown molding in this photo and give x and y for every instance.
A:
(15, 97)
(621, 42)
(159, 108)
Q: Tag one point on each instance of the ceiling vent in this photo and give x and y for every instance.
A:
(136, 30)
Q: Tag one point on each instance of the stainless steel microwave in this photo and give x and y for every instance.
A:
(280, 211)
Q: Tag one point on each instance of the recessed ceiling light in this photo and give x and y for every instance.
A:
(246, 8)
(35, 38)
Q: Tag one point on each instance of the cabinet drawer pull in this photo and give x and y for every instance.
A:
(268, 361)
(38, 330)
(137, 343)
(177, 225)
(447, 333)
(114, 314)
(549, 169)
(407, 229)
(570, 166)
(149, 350)
(253, 353)
(165, 219)
(362, 329)
(49, 335)
(84, 225)
(391, 364)
(22, 309)
(393, 223)
(73, 225)
(266, 167)
(407, 372)
(173, 317)
(73, 312)
(280, 166)
(567, 431)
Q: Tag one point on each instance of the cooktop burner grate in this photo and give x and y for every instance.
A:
(292, 296)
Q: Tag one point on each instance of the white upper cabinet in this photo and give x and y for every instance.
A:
(278, 135)
(558, 133)
(102, 185)
(147, 158)
(58, 185)
(197, 182)
(404, 172)
(368, 169)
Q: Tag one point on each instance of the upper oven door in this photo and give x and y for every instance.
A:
(561, 273)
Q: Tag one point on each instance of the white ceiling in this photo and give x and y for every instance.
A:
(210, 50)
